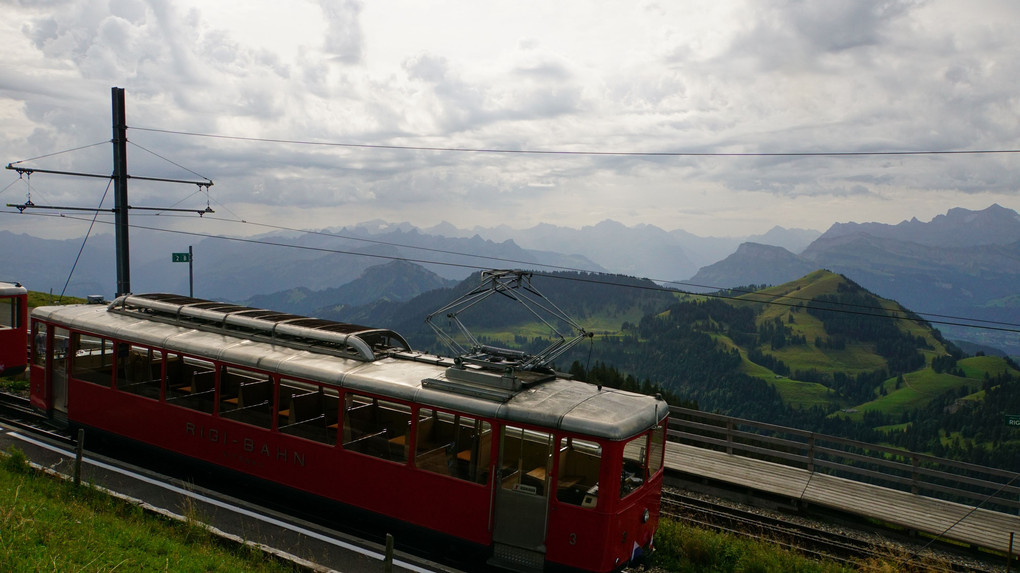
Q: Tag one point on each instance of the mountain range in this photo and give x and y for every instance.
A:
(963, 264)
(238, 268)
(959, 270)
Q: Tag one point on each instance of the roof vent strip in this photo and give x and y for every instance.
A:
(285, 329)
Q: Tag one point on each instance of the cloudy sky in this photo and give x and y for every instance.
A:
(281, 87)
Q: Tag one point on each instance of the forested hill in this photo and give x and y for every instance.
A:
(821, 341)
(820, 353)
(823, 354)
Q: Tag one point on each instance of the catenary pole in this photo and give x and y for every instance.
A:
(120, 180)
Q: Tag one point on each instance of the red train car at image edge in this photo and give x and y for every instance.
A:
(13, 328)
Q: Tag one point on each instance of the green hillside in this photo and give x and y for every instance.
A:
(821, 353)
(857, 356)
(823, 342)
(920, 388)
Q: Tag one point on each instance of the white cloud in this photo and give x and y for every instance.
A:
(731, 76)
(343, 35)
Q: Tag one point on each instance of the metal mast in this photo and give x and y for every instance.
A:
(120, 179)
(120, 190)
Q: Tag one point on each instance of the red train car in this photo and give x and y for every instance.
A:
(538, 468)
(13, 328)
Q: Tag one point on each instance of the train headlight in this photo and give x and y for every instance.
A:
(645, 516)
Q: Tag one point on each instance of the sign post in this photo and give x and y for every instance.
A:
(1013, 420)
(187, 257)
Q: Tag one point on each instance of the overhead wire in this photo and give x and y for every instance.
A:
(655, 280)
(834, 307)
(168, 160)
(84, 240)
(773, 298)
(79, 148)
(9, 185)
(584, 152)
(595, 153)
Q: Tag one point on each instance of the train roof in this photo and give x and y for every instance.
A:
(12, 289)
(382, 363)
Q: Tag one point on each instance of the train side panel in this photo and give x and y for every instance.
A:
(426, 499)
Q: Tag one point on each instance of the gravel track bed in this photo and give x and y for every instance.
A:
(900, 546)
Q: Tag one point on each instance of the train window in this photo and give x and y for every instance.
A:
(39, 344)
(635, 470)
(10, 315)
(92, 359)
(453, 445)
(190, 382)
(246, 396)
(61, 339)
(376, 427)
(657, 449)
(139, 370)
(577, 482)
(308, 411)
(525, 460)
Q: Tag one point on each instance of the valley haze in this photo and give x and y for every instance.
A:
(964, 264)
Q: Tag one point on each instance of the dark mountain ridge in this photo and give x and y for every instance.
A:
(958, 227)
(396, 281)
(752, 263)
(919, 264)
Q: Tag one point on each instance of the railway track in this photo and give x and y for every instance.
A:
(806, 539)
(17, 411)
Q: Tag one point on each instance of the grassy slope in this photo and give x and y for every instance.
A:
(49, 525)
(603, 322)
(855, 358)
(921, 386)
(36, 298)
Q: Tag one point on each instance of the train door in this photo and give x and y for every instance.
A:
(39, 375)
(521, 506)
(58, 368)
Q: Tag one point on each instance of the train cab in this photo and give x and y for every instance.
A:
(579, 500)
(534, 467)
(13, 328)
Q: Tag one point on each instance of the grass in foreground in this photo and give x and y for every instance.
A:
(49, 525)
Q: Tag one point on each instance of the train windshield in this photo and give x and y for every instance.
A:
(10, 312)
(642, 459)
(580, 465)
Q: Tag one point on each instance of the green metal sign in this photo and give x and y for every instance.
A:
(1013, 420)
(181, 257)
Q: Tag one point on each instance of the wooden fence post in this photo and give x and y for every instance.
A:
(1009, 556)
(389, 554)
(78, 450)
(811, 453)
(914, 463)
